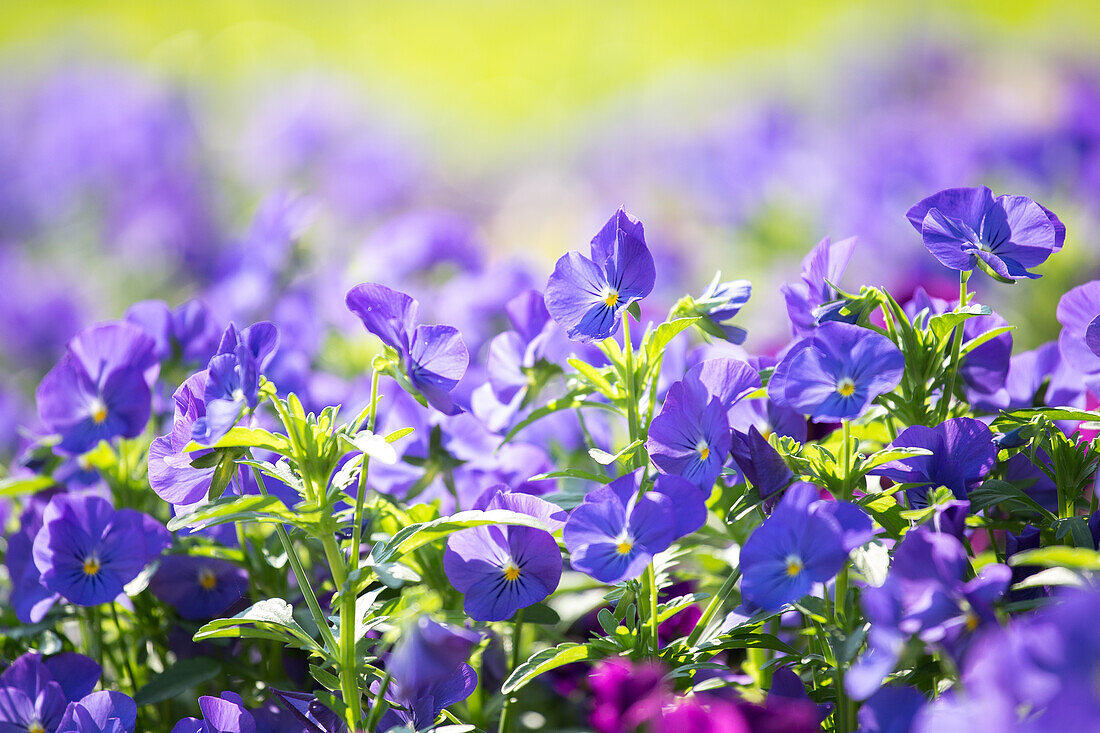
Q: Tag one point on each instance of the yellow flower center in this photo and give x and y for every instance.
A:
(91, 566)
(972, 621)
(207, 579)
(794, 565)
(611, 299)
(99, 411)
(36, 727)
(511, 572)
(624, 547)
(846, 387)
(704, 451)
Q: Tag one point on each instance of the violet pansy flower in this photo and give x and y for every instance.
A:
(587, 296)
(614, 534)
(434, 357)
(798, 546)
(105, 711)
(501, 569)
(171, 474)
(965, 228)
(691, 436)
(962, 453)
(233, 379)
(198, 588)
(225, 714)
(98, 391)
(822, 269)
(837, 372)
(88, 551)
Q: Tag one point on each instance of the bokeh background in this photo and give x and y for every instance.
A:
(265, 156)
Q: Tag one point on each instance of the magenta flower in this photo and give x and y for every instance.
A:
(587, 296)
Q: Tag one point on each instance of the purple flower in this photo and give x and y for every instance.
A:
(233, 379)
(88, 551)
(171, 474)
(837, 372)
(186, 332)
(797, 546)
(926, 595)
(760, 463)
(30, 600)
(962, 454)
(891, 710)
(587, 296)
(34, 693)
(100, 712)
(963, 227)
(434, 357)
(614, 534)
(225, 714)
(719, 303)
(429, 672)
(198, 587)
(1077, 310)
(98, 390)
(822, 269)
(691, 435)
(502, 569)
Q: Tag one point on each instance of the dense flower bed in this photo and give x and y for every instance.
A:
(628, 523)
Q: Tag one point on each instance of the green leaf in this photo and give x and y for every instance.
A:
(594, 377)
(1080, 558)
(1054, 413)
(943, 324)
(180, 677)
(28, 485)
(983, 338)
(418, 535)
(247, 438)
(546, 660)
(223, 474)
(269, 619)
(606, 459)
(540, 613)
(235, 509)
(571, 473)
(994, 492)
(664, 334)
(754, 639)
(1077, 528)
(398, 434)
(887, 512)
(569, 402)
(890, 454)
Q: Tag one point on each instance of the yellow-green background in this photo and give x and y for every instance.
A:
(483, 76)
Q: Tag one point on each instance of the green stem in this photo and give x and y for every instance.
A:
(124, 650)
(507, 712)
(651, 581)
(944, 407)
(712, 608)
(631, 394)
(349, 672)
(300, 575)
(95, 635)
(357, 529)
(846, 451)
(379, 703)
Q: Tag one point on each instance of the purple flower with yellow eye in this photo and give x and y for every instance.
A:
(691, 436)
(88, 551)
(837, 372)
(587, 296)
(434, 358)
(803, 543)
(501, 569)
(98, 391)
(198, 587)
(965, 228)
(34, 692)
(614, 534)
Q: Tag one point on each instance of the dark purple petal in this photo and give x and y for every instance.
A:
(388, 314)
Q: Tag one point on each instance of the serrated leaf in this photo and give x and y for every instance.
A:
(663, 335)
(269, 619)
(251, 508)
(546, 660)
(1080, 558)
(239, 437)
(418, 535)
